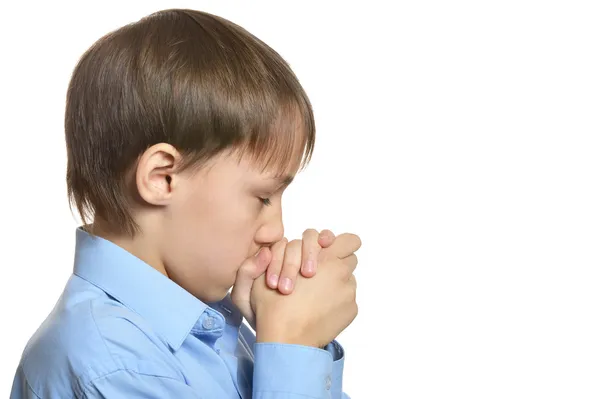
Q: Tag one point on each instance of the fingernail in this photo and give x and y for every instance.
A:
(310, 266)
(273, 280)
(287, 284)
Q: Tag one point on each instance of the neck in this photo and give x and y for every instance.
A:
(141, 246)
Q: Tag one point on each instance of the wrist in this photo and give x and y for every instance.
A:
(269, 333)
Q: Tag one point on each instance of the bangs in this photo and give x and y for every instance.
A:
(281, 141)
(187, 78)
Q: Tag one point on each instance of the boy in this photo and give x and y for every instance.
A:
(182, 132)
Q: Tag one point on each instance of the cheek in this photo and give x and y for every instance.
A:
(214, 235)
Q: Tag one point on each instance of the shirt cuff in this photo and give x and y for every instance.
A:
(337, 374)
(294, 370)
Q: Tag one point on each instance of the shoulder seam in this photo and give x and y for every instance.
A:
(31, 388)
(100, 334)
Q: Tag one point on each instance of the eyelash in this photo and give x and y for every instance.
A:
(265, 201)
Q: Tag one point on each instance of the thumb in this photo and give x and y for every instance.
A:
(257, 265)
(250, 270)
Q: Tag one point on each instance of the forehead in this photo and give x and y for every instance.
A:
(270, 165)
(275, 150)
(282, 151)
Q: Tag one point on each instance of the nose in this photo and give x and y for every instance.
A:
(271, 230)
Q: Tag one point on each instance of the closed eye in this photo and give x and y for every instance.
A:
(265, 201)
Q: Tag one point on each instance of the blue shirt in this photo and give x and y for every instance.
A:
(121, 329)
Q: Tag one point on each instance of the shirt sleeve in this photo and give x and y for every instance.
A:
(20, 387)
(133, 385)
(337, 353)
(298, 372)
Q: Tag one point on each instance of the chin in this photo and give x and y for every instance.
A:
(216, 295)
(218, 292)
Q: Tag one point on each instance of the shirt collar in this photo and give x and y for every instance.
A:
(170, 310)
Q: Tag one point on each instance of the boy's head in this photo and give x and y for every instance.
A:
(182, 131)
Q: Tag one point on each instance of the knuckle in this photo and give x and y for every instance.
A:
(352, 281)
(353, 265)
(275, 267)
(352, 259)
(277, 253)
(289, 269)
(277, 259)
(311, 246)
(343, 272)
(324, 258)
(352, 310)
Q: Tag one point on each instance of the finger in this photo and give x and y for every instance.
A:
(263, 258)
(326, 238)
(310, 252)
(351, 261)
(291, 266)
(250, 270)
(253, 267)
(345, 244)
(274, 271)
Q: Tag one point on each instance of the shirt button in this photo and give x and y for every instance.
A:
(328, 383)
(208, 323)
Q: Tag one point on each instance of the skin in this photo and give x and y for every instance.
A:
(320, 307)
(205, 229)
(255, 267)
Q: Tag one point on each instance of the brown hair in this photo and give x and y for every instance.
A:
(191, 79)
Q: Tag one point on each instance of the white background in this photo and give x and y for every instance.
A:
(459, 139)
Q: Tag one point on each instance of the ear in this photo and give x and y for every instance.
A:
(154, 174)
